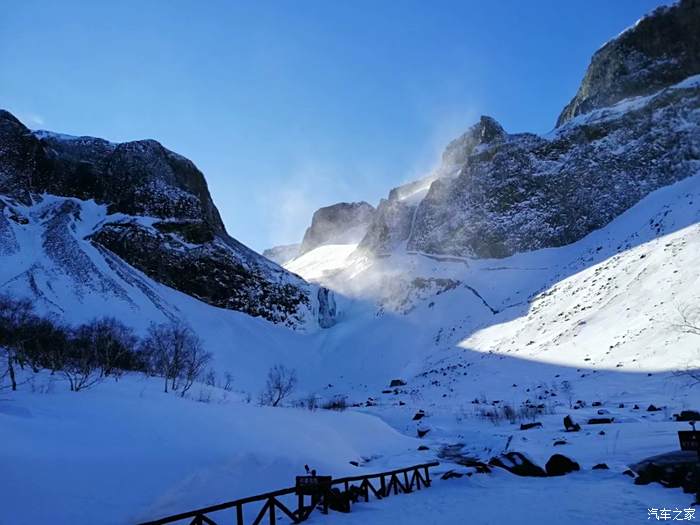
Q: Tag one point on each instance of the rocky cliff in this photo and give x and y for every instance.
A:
(159, 219)
(342, 223)
(496, 193)
(660, 50)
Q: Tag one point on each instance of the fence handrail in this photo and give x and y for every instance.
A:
(275, 493)
(350, 479)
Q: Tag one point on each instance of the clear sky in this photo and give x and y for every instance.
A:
(287, 106)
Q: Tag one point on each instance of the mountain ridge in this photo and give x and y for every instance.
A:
(159, 218)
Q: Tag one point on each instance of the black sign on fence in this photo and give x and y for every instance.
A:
(688, 439)
(313, 485)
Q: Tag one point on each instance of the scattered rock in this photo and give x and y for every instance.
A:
(419, 415)
(652, 408)
(450, 474)
(601, 466)
(603, 412)
(422, 432)
(558, 465)
(423, 447)
(601, 433)
(528, 426)
(672, 470)
(560, 442)
(597, 404)
(687, 415)
(397, 382)
(570, 426)
(518, 464)
(600, 420)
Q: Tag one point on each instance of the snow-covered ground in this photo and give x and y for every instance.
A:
(494, 499)
(600, 314)
(125, 452)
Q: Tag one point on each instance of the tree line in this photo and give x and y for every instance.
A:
(89, 353)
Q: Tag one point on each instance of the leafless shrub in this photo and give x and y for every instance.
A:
(175, 353)
(228, 382)
(339, 403)
(280, 384)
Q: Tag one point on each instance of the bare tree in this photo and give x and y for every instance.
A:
(82, 365)
(281, 382)
(689, 323)
(169, 347)
(568, 390)
(14, 314)
(113, 343)
(44, 344)
(228, 381)
(194, 361)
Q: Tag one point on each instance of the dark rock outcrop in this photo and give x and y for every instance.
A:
(160, 219)
(661, 49)
(508, 193)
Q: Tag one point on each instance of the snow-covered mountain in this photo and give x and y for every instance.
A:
(631, 128)
(576, 248)
(85, 222)
(528, 271)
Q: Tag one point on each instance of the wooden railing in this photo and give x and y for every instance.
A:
(381, 485)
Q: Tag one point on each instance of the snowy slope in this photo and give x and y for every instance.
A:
(609, 301)
(125, 452)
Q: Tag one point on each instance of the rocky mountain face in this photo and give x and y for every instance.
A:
(660, 50)
(283, 253)
(496, 193)
(342, 223)
(159, 219)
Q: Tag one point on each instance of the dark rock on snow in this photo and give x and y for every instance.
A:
(600, 420)
(518, 464)
(558, 465)
(687, 415)
(528, 426)
(570, 426)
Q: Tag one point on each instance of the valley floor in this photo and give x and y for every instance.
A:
(125, 452)
(585, 497)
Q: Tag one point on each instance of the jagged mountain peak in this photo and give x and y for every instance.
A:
(484, 132)
(496, 194)
(660, 50)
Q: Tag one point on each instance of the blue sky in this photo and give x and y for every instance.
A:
(291, 105)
